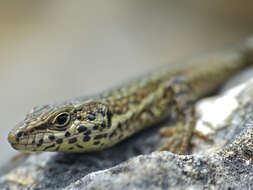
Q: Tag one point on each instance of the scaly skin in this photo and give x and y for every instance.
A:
(93, 124)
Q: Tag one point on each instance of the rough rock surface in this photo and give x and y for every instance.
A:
(225, 164)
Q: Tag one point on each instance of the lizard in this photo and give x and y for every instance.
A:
(98, 122)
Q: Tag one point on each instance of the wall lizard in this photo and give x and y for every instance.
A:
(101, 121)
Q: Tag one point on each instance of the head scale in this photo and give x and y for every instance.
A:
(67, 128)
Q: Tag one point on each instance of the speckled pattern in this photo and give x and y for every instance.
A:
(94, 123)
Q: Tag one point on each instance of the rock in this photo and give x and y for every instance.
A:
(163, 170)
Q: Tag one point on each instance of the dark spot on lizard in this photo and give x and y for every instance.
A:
(103, 125)
(79, 117)
(120, 127)
(109, 117)
(95, 127)
(96, 142)
(40, 142)
(86, 138)
(59, 141)
(114, 133)
(41, 127)
(67, 134)
(79, 146)
(99, 136)
(81, 128)
(78, 109)
(47, 147)
(31, 130)
(102, 112)
(73, 140)
(51, 137)
(87, 132)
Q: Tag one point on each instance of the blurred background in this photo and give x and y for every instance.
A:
(51, 51)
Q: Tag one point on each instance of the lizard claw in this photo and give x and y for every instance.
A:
(177, 138)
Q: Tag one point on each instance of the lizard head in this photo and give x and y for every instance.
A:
(71, 128)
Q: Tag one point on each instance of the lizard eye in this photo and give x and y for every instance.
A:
(62, 119)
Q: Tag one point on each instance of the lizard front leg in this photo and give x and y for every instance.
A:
(179, 136)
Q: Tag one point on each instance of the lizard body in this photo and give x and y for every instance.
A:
(99, 122)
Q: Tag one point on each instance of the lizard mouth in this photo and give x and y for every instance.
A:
(23, 147)
(22, 141)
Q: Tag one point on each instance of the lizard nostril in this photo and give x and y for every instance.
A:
(19, 134)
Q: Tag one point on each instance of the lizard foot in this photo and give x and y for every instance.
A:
(178, 138)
